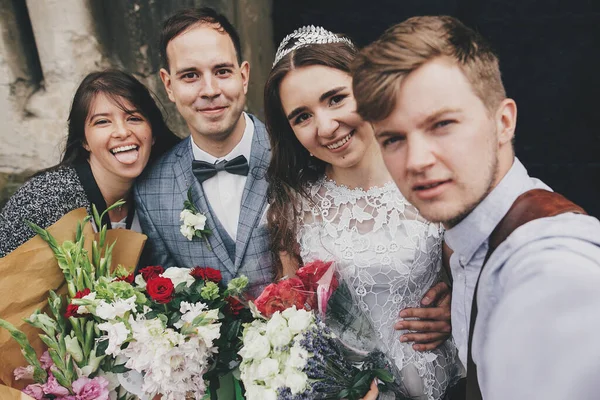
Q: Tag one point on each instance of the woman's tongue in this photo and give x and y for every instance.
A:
(127, 157)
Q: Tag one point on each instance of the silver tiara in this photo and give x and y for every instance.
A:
(305, 36)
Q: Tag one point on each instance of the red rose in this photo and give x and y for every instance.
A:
(234, 306)
(312, 272)
(129, 278)
(280, 296)
(206, 274)
(160, 289)
(81, 293)
(151, 272)
(71, 310)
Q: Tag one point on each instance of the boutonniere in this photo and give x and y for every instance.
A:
(193, 221)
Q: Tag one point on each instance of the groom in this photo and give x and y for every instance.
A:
(222, 164)
(432, 89)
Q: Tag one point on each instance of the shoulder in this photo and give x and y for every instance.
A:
(561, 249)
(43, 200)
(163, 167)
(50, 188)
(260, 131)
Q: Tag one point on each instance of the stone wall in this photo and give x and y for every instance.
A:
(47, 47)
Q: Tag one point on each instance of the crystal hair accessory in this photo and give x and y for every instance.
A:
(305, 36)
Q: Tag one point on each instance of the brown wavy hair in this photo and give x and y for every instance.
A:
(292, 168)
(381, 66)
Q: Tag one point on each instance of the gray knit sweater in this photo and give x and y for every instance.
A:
(43, 200)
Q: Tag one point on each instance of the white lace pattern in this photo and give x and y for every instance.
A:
(390, 256)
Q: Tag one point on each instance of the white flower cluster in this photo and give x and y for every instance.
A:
(192, 222)
(272, 357)
(172, 362)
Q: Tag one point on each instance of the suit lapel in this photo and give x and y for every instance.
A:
(185, 178)
(255, 191)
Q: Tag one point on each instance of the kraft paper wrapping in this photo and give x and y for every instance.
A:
(30, 271)
(7, 393)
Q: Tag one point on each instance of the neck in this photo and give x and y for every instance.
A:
(367, 173)
(221, 145)
(113, 188)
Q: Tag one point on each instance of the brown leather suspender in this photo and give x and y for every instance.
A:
(531, 205)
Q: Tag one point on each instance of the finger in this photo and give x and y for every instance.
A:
(436, 293)
(428, 346)
(424, 338)
(432, 313)
(424, 326)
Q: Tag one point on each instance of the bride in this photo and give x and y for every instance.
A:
(333, 199)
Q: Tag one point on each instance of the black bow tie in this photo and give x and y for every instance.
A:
(203, 170)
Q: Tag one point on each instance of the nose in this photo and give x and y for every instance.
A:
(121, 130)
(326, 125)
(420, 154)
(210, 88)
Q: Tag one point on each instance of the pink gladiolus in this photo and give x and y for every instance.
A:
(36, 391)
(91, 389)
(46, 361)
(52, 387)
(23, 372)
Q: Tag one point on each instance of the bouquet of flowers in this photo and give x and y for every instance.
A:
(294, 349)
(70, 368)
(163, 329)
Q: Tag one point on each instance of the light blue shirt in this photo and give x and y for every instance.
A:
(537, 334)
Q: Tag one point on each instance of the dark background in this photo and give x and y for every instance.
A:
(550, 61)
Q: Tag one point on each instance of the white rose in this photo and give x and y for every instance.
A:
(298, 320)
(197, 221)
(187, 231)
(256, 392)
(298, 357)
(178, 275)
(278, 332)
(266, 369)
(256, 346)
(295, 380)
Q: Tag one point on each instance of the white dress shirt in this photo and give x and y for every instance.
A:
(536, 333)
(224, 190)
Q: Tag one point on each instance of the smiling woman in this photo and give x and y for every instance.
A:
(115, 130)
(332, 199)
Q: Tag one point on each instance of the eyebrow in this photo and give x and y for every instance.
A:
(129, 112)
(184, 70)
(322, 98)
(436, 115)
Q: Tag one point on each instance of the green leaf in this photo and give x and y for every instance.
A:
(101, 348)
(119, 369)
(383, 375)
(28, 352)
(97, 219)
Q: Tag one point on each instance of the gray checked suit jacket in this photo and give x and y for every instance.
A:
(159, 196)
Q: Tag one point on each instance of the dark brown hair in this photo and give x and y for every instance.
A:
(182, 20)
(380, 67)
(117, 86)
(292, 168)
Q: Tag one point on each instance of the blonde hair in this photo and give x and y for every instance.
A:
(380, 67)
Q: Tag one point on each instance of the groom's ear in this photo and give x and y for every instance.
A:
(165, 77)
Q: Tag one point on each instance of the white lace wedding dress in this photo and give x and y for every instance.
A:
(390, 256)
